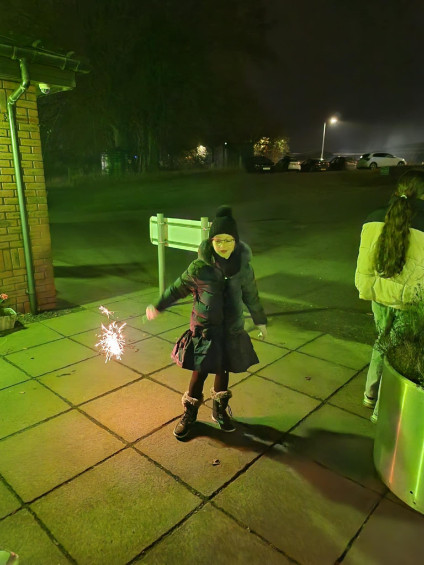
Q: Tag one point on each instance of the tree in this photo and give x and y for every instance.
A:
(167, 75)
(272, 147)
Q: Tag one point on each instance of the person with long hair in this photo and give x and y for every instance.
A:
(390, 268)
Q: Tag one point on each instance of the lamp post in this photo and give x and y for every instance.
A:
(333, 120)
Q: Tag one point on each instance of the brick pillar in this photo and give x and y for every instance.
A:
(13, 275)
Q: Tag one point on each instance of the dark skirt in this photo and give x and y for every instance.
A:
(210, 351)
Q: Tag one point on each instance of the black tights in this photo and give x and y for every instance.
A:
(198, 380)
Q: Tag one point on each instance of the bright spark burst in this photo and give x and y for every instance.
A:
(112, 341)
(104, 310)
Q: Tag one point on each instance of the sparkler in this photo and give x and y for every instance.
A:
(104, 310)
(112, 342)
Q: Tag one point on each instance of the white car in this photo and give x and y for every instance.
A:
(294, 164)
(282, 165)
(375, 160)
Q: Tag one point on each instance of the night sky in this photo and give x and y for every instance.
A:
(363, 60)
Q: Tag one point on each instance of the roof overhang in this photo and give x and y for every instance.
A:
(57, 70)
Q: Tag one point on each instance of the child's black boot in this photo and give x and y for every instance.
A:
(220, 405)
(191, 408)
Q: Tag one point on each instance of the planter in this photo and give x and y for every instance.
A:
(8, 318)
(399, 441)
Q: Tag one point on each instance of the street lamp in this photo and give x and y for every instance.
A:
(333, 120)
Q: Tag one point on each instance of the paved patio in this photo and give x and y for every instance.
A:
(91, 474)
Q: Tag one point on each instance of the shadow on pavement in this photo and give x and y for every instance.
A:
(290, 448)
(96, 271)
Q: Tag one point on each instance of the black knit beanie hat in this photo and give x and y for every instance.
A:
(224, 223)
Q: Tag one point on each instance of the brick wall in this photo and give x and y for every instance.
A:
(13, 275)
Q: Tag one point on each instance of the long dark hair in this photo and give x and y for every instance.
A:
(392, 245)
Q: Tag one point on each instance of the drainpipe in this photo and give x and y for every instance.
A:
(13, 98)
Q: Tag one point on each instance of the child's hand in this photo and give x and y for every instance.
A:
(151, 312)
(263, 332)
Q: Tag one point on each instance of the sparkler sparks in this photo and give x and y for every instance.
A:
(104, 310)
(112, 341)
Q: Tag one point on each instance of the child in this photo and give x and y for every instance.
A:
(220, 280)
(391, 265)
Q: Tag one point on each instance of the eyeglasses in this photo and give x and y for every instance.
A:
(222, 241)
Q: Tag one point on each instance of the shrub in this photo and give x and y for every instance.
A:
(403, 346)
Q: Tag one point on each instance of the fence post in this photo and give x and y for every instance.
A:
(161, 252)
(205, 228)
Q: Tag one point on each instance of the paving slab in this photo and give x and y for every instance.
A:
(136, 410)
(285, 334)
(342, 442)
(64, 447)
(151, 291)
(391, 536)
(90, 338)
(179, 379)
(8, 501)
(76, 323)
(124, 309)
(312, 376)
(303, 509)
(26, 404)
(267, 353)
(148, 355)
(351, 396)
(193, 459)
(174, 335)
(123, 505)
(21, 533)
(49, 357)
(88, 379)
(10, 375)
(166, 321)
(262, 403)
(218, 540)
(184, 309)
(140, 294)
(29, 336)
(347, 353)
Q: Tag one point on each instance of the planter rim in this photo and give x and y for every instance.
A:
(408, 383)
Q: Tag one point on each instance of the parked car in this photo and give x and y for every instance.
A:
(259, 164)
(294, 165)
(375, 160)
(342, 164)
(314, 166)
